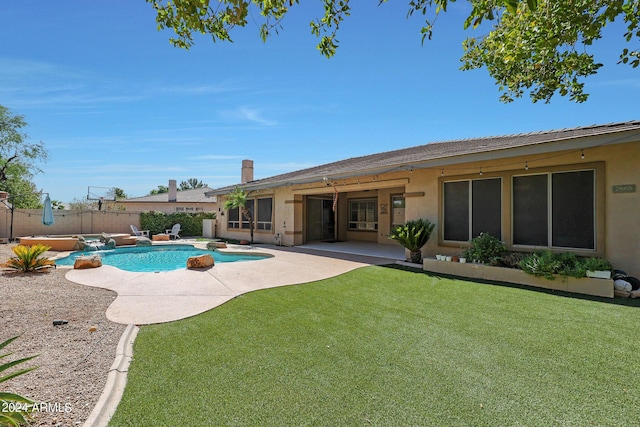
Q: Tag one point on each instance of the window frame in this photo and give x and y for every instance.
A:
(507, 203)
(549, 174)
(267, 226)
(374, 224)
(233, 224)
(242, 224)
(470, 181)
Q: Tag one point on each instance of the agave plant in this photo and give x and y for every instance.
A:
(14, 408)
(413, 236)
(28, 258)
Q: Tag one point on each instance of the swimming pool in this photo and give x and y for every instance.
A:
(156, 258)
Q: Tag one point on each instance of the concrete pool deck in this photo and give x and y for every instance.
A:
(147, 298)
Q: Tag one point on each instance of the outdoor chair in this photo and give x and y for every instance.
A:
(139, 233)
(173, 233)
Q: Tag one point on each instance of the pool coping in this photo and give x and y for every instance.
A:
(197, 245)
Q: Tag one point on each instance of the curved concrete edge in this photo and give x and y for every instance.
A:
(116, 380)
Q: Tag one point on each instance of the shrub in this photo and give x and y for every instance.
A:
(511, 259)
(18, 406)
(597, 264)
(413, 236)
(547, 264)
(190, 223)
(570, 265)
(28, 258)
(540, 264)
(485, 249)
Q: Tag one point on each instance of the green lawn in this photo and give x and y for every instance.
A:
(387, 347)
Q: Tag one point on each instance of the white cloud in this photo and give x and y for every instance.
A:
(248, 114)
(256, 116)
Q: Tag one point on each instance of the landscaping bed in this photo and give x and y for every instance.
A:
(73, 358)
(584, 285)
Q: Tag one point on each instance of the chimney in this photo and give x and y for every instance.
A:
(247, 171)
(173, 192)
(4, 195)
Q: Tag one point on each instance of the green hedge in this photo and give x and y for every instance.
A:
(190, 223)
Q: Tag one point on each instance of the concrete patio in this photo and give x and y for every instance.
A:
(147, 298)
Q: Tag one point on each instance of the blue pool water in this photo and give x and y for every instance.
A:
(155, 258)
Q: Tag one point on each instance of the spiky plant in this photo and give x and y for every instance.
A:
(413, 236)
(14, 409)
(28, 258)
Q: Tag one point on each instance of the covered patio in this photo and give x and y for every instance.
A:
(355, 247)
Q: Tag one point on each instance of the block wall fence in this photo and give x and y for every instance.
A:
(28, 222)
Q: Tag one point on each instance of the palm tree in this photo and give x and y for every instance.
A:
(191, 184)
(413, 236)
(238, 199)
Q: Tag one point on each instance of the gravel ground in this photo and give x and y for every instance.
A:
(73, 362)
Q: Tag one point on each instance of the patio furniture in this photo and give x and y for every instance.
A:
(173, 233)
(139, 233)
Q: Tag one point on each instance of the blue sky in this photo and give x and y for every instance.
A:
(116, 105)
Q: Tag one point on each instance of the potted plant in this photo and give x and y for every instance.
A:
(598, 267)
(413, 236)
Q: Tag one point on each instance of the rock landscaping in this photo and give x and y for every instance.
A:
(74, 354)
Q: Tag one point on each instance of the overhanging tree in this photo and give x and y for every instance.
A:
(534, 46)
(18, 159)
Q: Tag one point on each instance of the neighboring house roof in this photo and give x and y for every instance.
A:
(437, 154)
(196, 195)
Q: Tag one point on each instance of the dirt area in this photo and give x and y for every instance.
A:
(74, 358)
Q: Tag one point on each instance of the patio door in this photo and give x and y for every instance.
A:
(321, 222)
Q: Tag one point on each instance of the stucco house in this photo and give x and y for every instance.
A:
(192, 201)
(569, 190)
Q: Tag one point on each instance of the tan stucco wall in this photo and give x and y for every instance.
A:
(618, 214)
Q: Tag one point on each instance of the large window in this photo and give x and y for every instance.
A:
(363, 214)
(472, 207)
(265, 210)
(263, 221)
(555, 210)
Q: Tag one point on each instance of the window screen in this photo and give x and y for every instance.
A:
(486, 207)
(530, 218)
(233, 218)
(572, 209)
(264, 214)
(456, 211)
